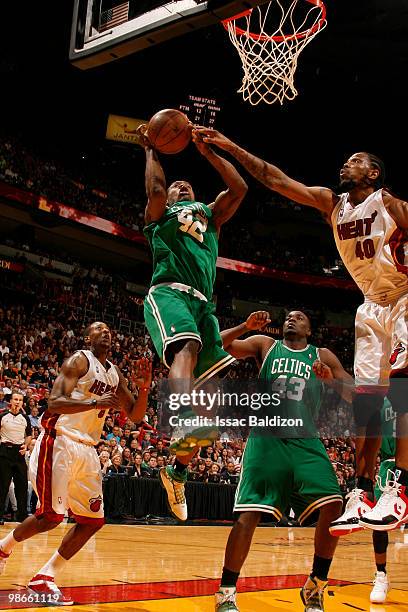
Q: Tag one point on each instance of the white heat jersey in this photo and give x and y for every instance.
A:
(372, 247)
(86, 426)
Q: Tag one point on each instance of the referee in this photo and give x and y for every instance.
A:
(15, 436)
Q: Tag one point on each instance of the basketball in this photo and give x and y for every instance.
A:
(169, 131)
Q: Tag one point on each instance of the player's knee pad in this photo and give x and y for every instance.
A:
(380, 542)
(398, 392)
(367, 411)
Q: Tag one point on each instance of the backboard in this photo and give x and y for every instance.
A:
(105, 30)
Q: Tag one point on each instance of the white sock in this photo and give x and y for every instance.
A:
(8, 543)
(53, 565)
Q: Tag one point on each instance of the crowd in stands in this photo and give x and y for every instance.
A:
(97, 195)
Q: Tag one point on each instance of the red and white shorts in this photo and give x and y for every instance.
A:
(66, 475)
(381, 341)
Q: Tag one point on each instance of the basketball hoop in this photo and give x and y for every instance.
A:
(269, 60)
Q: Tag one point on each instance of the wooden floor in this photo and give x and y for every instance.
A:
(177, 569)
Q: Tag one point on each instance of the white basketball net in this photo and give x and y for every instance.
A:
(269, 57)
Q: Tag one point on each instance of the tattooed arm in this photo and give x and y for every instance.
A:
(271, 176)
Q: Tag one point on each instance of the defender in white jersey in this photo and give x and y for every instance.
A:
(64, 466)
(370, 227)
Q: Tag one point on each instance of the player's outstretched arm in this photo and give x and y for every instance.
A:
(330, 370)
(136, 409)
(155, 180)
(271, 176)
(255, 346)
(228, 201)
(60, 401)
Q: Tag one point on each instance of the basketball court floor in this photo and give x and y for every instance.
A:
(177, 569)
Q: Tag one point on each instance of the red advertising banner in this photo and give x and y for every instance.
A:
(293, 277)
(67, 212)
(12, 266)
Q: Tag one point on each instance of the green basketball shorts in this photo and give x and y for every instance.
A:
(279, 473)
(175, 312)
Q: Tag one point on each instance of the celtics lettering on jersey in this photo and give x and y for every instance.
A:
(291, 376)
(184, 244)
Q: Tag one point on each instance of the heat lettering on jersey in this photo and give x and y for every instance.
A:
(100, 388)
(354, 229)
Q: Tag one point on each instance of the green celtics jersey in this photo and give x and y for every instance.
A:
(388, 425)
(291, 376)
(184, 243)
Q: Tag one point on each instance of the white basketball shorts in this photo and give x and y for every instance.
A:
(66, 475)
(381, 341)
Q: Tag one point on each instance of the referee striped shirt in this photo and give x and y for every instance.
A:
(14, 428)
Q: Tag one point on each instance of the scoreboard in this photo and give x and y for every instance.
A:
(201, 111)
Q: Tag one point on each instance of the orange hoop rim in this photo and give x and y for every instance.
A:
(240, 32)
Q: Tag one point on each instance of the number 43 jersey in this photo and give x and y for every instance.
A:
(288, 373)
(372, 247)
(184, 244)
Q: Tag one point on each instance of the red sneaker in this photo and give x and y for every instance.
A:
(391, 510)
(3, 560)
(45, 591)
(358, 504)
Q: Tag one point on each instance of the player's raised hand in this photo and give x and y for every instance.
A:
(198, 140)
(141, 132)
(142, 374)
(258, 320)
(322, 370)
(213, 137)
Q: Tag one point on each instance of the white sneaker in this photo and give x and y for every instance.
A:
(358, 504)
(225, 600)
(3, 561)
(312, 594)
(175, 492)
(380, 588)
(391, 510)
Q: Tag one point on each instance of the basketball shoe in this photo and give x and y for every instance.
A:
(173, 484)
(380, 588)
(225, 600)
(312, 594)
(3, 561)
(46, 591)
(186, 437)
(391, 509)
(357, 506)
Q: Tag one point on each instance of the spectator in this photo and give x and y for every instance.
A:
(230, 474)
(152, 471)
(116, 467)
(104, 461)
(3, 402)
(214, 474)
(138, 471)
(34, 417)
(4, 349)
(115, 434)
